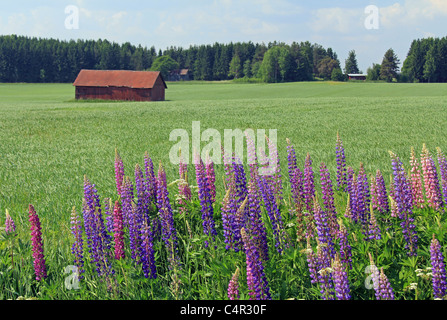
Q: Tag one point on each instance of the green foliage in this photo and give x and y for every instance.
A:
(351, 65)
(390, 66)
(164, 64)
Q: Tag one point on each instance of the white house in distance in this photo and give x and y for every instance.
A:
(356, 76)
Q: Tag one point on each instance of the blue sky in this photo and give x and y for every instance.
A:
(335, 24)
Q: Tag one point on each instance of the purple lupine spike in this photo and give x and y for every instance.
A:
(309, 187)
(438, 269)
(312, 263)
(255, 225)
(351, 189)
(271, 206)
(77, 248)
(169, 233)
(118, 231)
(101, 245)
(252, 159)
(325, 277)
(373, 193)
(341, 163)
(108, 212)
(328, 199)
(147, 254)
(10, 226)
(416, 181)
(404, 203)
(210, 178)
(37, 245)
(385, 289)
(133, 218)
(345, 248)
(382, 196)
(150, 182)
(119, 172)
(140, 191)
(233, 286)
(373, 228)
(363, 198)
(256, 278)
(207, 209)
(183, 187)
(325, 236)
(341, 283)
(228, 211)
(442, 161)
(431, 181)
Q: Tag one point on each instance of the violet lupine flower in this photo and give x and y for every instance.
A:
(256, 278)
(373, 228)
(252, 159)
(382, 197)
(233, 286)
(118, 230)
(274, 214)
(325, 277)
(341, 283)
(230, 224)
(37, 245)
(324, 231)
(150, 182)
(255, 225)
(10, 226)
(296, 179)
(363, 198)
(373, 193)
(312, 263)
(438, 269)
(108, 212)
(169, 233)
(341, 164)
(385, 291)
(442, 161)
(416, 182)
(237, 170)
(183, 187)
(140, 191)
(328, 199)
(210, 178)
(147, 255)
(77, 248)
(309, 187)
(132, 218)
(119, 172)
(403, 199)
(208, 223)
(431, 182)
(345, 247)
(351, 188)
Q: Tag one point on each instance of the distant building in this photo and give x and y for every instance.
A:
(179, 75)
(355, 76)
(120, 85)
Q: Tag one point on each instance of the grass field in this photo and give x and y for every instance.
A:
(49, 141)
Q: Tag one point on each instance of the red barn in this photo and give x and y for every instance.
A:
(120, 85)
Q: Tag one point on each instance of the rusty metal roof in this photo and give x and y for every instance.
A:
(118, 78)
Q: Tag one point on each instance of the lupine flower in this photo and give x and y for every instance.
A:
(325, 272)
(183, 187)
(324, 231)
(255, 225)
(276, 178)
(252, 158)
(210, 178)
(352, 189)
(274, 214)
(438, 269)
(108, 212)
(341, 163)
(382, 197)
(363, 198)
(403, 199)
(256, 278)
(340, 276)
(118, 230)
(373, 193)
(37, 245)
(205, 200)
(169, 233)
(385, 291)
(10, 226)
(147, 255)
(345, 248)
(309, 187)
(416, 182)
(134, 218)
(77, 248)
(328, 199)
(431, 182)
(348, 211)
(312, 263)
(119, 172)
(150, 182)
(443, 172)
(233, 286)
(229, 221)
(373, 228)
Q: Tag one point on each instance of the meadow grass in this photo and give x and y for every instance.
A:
(49, 142)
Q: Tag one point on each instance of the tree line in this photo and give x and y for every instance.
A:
(30, 59)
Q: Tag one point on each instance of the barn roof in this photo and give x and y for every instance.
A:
(118, 78)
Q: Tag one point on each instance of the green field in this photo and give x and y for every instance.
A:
(49, 141)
